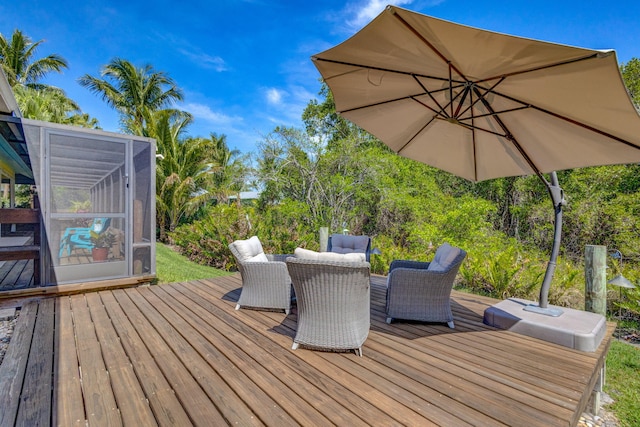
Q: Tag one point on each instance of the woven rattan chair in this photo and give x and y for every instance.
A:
(265, 279)
(333, 300)
(416, 292)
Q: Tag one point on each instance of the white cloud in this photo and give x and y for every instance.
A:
(193, 53)
(205, 60)
(204, 112)
(274, 96)
(364, 13)
(291, 104)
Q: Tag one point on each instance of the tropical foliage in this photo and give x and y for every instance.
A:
(25, 73)
(136, 93)
(190, 172)
(631, 75)
(19, 64)
(50, 104)
(333, 174)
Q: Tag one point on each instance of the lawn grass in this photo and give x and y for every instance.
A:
(172, 267)
(622, 382)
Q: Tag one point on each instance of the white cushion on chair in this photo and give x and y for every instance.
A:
(445, 255)
(250, 250)
(328, 256)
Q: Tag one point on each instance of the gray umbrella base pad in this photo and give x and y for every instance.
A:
(580, 330)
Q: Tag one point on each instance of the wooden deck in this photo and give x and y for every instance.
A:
(181, 355)
(16, 275)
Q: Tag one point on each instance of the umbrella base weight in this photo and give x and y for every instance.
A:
(580, 330)
(547, 311)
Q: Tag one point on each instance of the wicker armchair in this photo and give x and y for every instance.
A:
(417, 292)
(265, 279)
(333, 300)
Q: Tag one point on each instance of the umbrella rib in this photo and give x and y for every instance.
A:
(382, 103)
(473, 138)
(416, 134)
(473, 127)
(542, 67)
(570, 120)
(428, 92)
(442, 112)
(431, 46)
(495, 113)
(480, 97)
(451, 88)
(465, 93)
(388, 70)
(509, 136)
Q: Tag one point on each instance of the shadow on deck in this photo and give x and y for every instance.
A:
(16, 274)
(180, 354)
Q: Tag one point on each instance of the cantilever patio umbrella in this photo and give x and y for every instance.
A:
(484, 105)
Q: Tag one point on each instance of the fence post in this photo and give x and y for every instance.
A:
(595, 266)
(324, 238)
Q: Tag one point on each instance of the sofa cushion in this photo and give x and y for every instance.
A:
(445, 255)
(261, 257)
(250, 250)
(343, 244)
(328, 256)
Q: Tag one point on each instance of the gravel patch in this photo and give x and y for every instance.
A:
(6, 330)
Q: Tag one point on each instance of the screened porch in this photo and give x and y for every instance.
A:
(97, 201)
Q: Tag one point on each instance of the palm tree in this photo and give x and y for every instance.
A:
(227, 172)
(181, 169)
(18, 63)
(136, 93)
(51, 105)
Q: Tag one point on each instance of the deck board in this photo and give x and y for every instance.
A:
(14, 364)
(68, 407)
(200, 409)
(180, 354)
(163, 401)
(231, 350)
(36, 410)
(130, 398)
(99, 399)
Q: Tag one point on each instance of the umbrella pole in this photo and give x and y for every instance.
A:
(557, 197)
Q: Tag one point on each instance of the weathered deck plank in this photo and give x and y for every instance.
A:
(99, 400)
(200, 357)
(68, 407)
(166, 407)
(198, 406)
(36, 410)
(228, 350)
(14, 365)
(181, 355)
(130, 398)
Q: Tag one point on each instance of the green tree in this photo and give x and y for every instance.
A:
(187, 169)
(136, 93)
(631, 76)
(227, 171)
(19, 64)
(328, 180)
(51, 105)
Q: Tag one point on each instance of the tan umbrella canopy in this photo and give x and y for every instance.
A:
(483, 105)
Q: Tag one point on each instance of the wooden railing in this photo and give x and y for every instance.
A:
(32, 251)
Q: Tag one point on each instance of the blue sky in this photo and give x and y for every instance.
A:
(244, 65)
